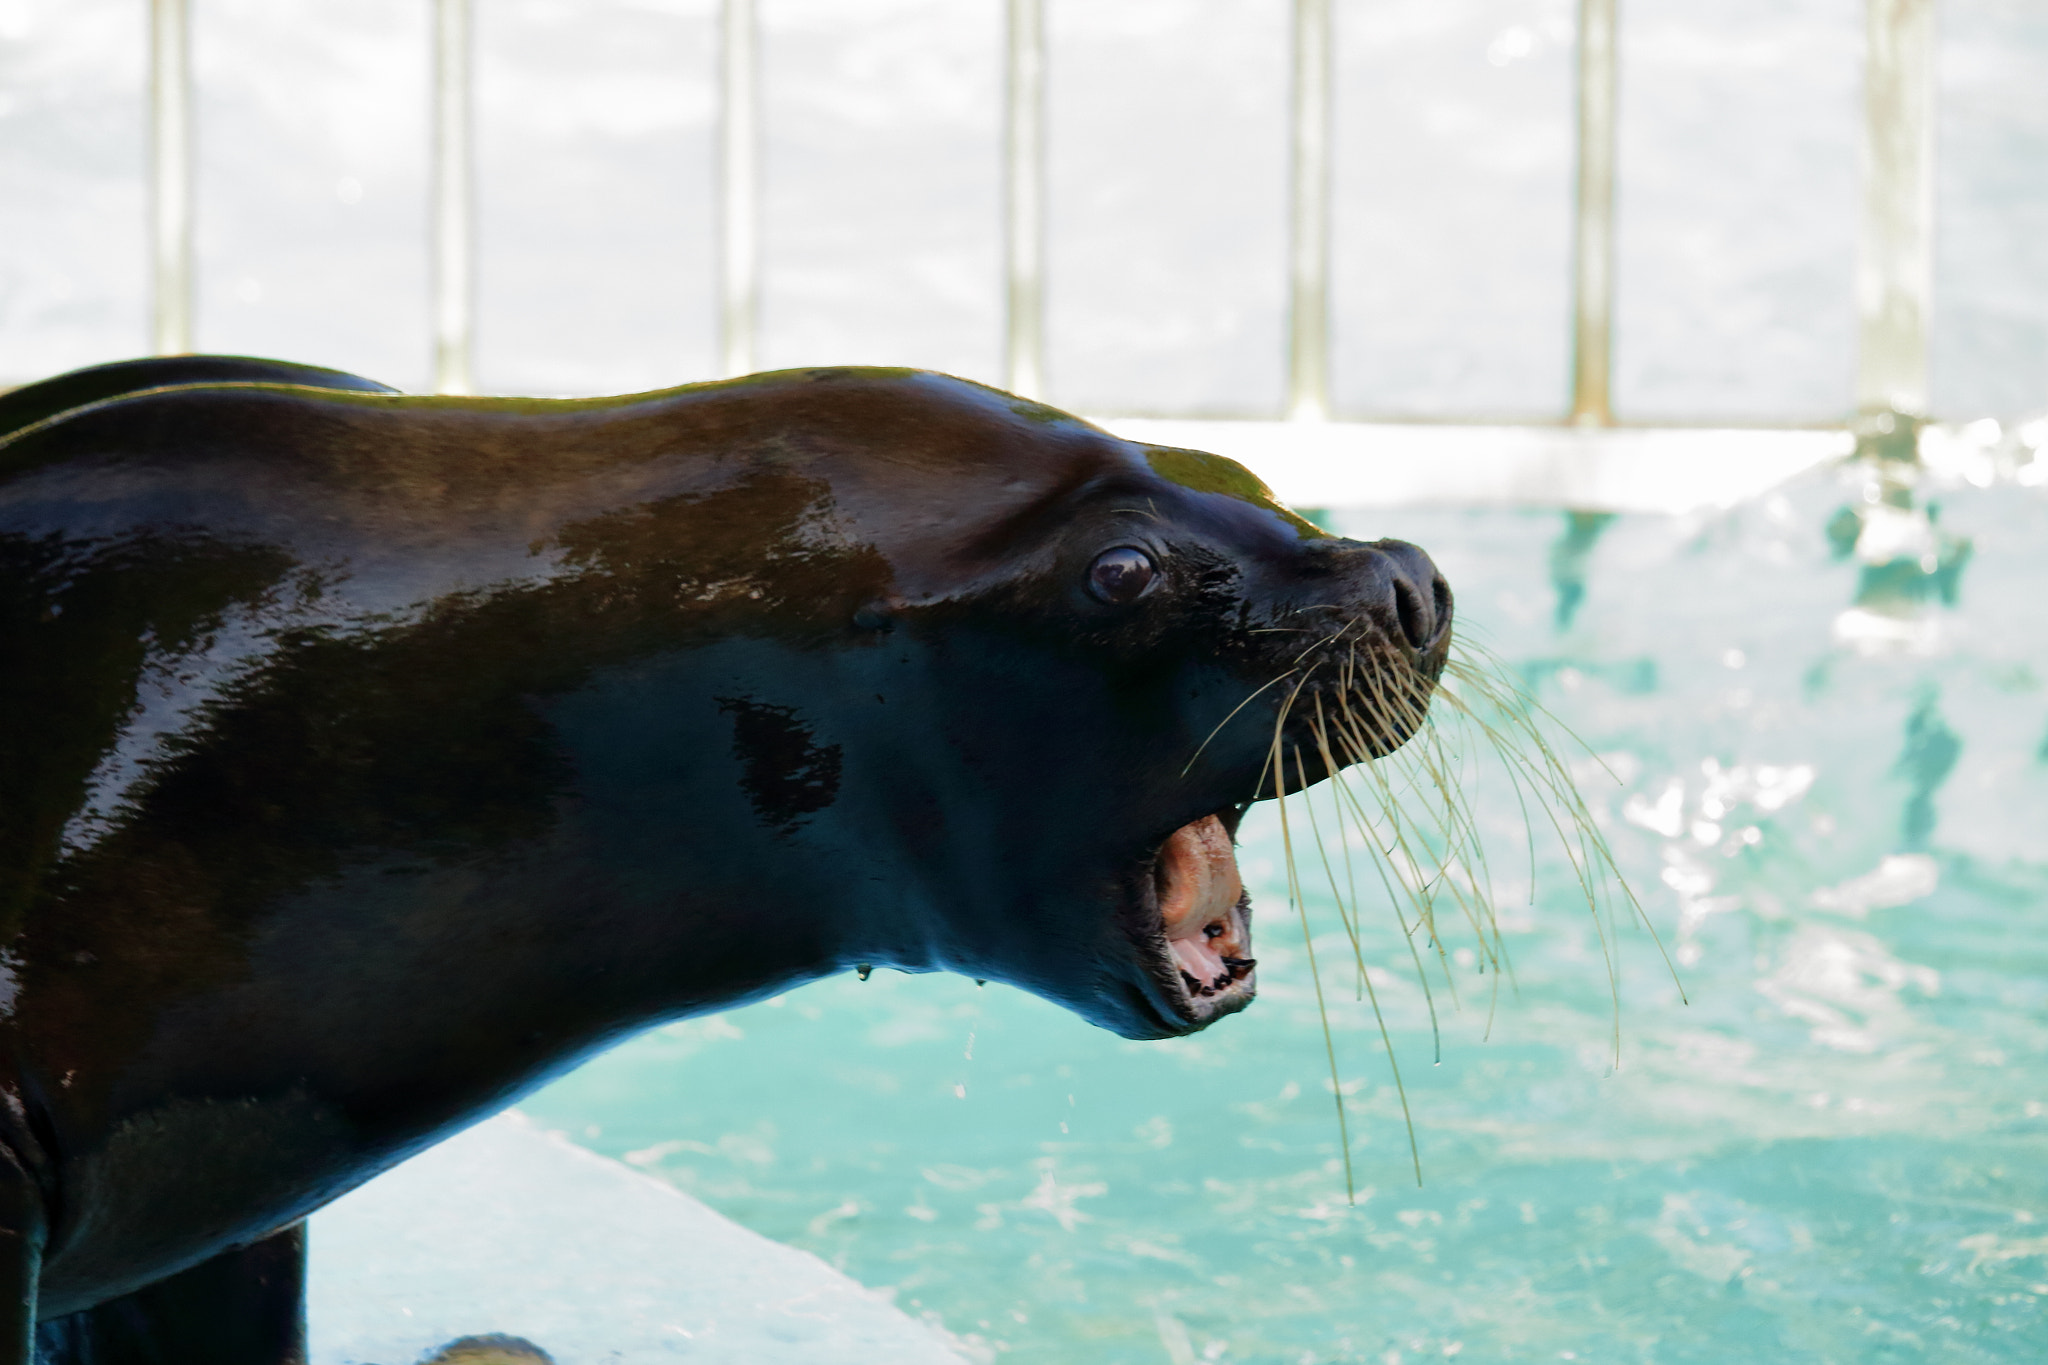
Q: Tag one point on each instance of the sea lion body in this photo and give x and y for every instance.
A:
(371, 759)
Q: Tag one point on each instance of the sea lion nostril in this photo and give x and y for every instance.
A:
(1416, 623)
(1421, 605)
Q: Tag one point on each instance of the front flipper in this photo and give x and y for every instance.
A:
(243, 1307)
(22, 1229)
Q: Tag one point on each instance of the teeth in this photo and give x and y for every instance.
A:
(1221, 983)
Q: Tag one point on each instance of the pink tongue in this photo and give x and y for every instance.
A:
(1199, 887)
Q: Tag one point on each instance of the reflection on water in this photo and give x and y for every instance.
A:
(1820, 718)
(1931, 752)
(1568, 561)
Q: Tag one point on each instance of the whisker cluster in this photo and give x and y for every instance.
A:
(1398, 754)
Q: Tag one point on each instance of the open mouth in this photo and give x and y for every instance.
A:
(1204, 919)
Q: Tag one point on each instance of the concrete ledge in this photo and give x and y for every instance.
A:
(1614, 469)
(508, 1229)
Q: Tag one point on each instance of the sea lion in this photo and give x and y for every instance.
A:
(371, 759)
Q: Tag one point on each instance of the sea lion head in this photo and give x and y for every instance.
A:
(1118, 648)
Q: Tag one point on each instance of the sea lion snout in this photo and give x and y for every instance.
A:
(1390, 583)
(1421, 597)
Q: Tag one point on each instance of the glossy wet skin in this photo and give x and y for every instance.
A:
(382, 757)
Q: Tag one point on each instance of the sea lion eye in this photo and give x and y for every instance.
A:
(1121, 575)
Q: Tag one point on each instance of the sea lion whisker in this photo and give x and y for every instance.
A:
(1459, 708)
(1320, 642)
(1279, 770)
(1397, 893)
(1344, 912)
(1383, 726)
(1347, 915)
(1426, 891)
(1387, 700)
(1348, 723)
(1514, 778)
(1337, 780)
(1523, 710)
(1424, 894)
(1369, 728)
(1520, 769)
(1355, 728)
(1548, 775)
(1592, 861)
(1458, 825)
(1280, 725)
(1386, 1038)
(1381, 711)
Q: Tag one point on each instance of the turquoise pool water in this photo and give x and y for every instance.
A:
(1828, 716)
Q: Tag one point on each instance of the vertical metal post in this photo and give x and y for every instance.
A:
(170, 178)
(1593, 219)
(738, 189)
(1024, 200)
(1896, 267)
(454, 278)
(1308, 299)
